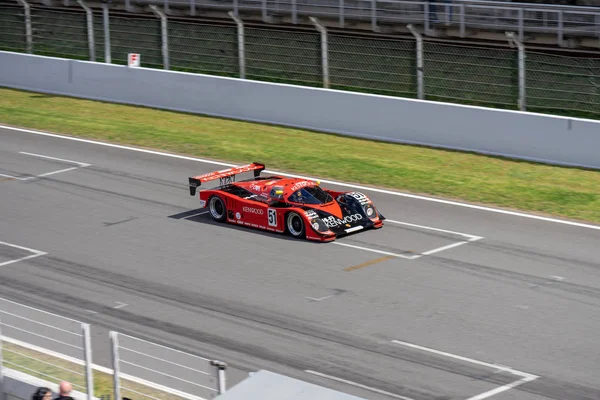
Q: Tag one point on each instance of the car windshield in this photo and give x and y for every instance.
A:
(310, 195)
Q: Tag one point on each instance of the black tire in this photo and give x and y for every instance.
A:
(217, 209)
(295, 225)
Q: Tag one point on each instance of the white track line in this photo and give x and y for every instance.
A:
(471, 237)
(57, 172)
(393, 193)
(55, 158)
(376, 251)
(501, 389)
(36, 253)
(16, 177)
(525, 377)
(426, 253)
(334, 378)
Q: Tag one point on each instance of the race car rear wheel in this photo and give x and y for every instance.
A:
(295, 225)
(217, 209)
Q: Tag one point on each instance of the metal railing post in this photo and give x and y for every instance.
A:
(519, 44)
(2, 396)
(419, 38)
(560, 28)
(521, 25)
(164, 35)
(193, 7)
(106, 23)
(28, 35)
(222, 382)
(294, 12)
(114, 339)
(90, 28)
(462, 20)
(374, 27)
(241, 45)
(324, 50)
(342, 19)
(264, 10)
(87, 352)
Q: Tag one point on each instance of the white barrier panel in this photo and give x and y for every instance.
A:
(536, 137)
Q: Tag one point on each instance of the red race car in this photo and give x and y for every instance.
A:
(296, 206)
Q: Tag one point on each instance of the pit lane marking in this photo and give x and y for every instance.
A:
(524, 376)
(36, 253)
(470, 238)
(79, 165)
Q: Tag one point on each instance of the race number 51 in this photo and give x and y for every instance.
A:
(272, 217)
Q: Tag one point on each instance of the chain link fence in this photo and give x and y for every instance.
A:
(563, 83)
(373, 65)
(470, 74)
(207, 49)
(12, 29)
(60, 33)
(287, 57)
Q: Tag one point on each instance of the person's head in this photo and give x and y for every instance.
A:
(65, 388)
(42, 393)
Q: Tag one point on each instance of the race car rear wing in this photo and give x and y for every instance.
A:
(224, 176)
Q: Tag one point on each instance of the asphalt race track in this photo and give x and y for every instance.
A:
(444, 302)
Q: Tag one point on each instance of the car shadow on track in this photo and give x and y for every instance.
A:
(200, 215)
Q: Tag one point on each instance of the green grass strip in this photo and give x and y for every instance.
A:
(549, 190)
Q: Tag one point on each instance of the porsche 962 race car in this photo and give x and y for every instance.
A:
(299, 207)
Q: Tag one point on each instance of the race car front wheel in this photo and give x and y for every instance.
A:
(217, 209)
(295, 225)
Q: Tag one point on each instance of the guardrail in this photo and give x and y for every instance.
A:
(22, 324)
(461, 15)
(50, 347)
(168, 367)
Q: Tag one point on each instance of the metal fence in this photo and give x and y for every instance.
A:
(460, 15)
(191, 376)
(495, 76)
(55, 349)
(23, 329)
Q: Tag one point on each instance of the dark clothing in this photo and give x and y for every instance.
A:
(64, 398)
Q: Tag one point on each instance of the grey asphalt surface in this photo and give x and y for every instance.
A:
(124, 230)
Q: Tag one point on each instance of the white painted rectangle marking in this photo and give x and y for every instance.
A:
(426, 253)
(525, 376)
(471, 238)
(372, 389)
(376, 251)
(79, 165)
(36, 253)
(55, 159)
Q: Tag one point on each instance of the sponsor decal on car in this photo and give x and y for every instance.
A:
(310, 214)
(238, 215)
(202, 203)
(333, 222)
(255, 187)
(302, 184)
(253, 210)
(362, 199)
